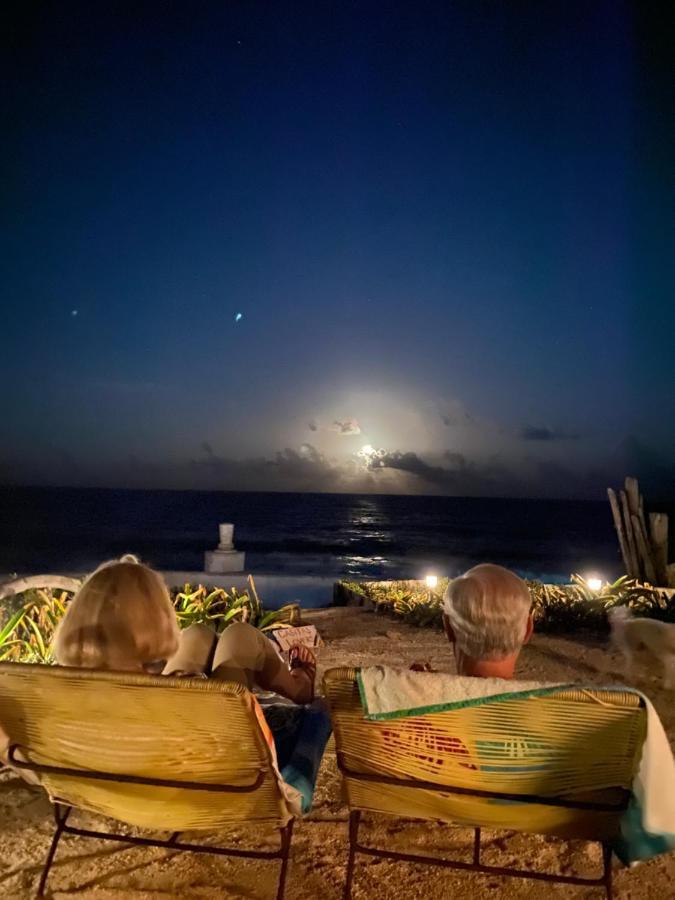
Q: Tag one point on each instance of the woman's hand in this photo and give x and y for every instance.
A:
(302, 664)
(301, 657)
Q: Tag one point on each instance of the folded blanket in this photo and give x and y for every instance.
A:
(292, 796)
(648, 825)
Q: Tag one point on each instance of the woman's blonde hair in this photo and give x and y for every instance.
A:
(121, 618)
(488, 608)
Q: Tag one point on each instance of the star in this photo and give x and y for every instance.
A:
(238, 317)
(74, 312)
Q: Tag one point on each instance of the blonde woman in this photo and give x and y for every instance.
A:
(122, 619)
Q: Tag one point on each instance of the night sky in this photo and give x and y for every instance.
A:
(244, 241)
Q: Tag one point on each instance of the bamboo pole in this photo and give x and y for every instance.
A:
(634, 571)
(645, 535)
(643, 547)
(633, 495)
(618, 524)
(658, 526)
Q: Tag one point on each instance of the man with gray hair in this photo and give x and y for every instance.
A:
(487, 618)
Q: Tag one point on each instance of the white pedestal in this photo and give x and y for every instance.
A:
(220, 561)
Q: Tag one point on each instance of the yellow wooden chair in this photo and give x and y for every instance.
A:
(164, 754)
(556, 765)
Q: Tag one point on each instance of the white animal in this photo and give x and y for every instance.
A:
(658, 638)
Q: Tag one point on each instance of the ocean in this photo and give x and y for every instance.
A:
(326, 535)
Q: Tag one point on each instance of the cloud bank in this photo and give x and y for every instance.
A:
(307, 468)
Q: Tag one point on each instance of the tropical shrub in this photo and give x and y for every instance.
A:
(27, 634)
(27, 629)
(217, 607)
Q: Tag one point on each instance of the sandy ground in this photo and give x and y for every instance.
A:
(105, 871)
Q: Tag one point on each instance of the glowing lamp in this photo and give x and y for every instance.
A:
(431, 581)
(595, 584)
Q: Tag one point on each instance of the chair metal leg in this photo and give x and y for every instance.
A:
(354, 820)
(61, 814)
(286, 836)
(476, 846)
(174, 837)
(607, 869)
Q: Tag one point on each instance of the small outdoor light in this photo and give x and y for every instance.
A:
(431, 581)
(594, 583)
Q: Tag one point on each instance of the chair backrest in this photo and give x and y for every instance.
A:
(137, 727)
(498, 764)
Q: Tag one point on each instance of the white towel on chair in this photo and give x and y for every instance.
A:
(389, 693)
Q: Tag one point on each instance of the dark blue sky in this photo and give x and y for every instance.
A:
(449, 229)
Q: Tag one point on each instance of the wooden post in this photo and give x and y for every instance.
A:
(633, 495)
(634, 571)
(645, 535)
(658, 526)
(618, 524)
(643, 547)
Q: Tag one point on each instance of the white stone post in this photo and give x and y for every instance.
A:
(226, 532)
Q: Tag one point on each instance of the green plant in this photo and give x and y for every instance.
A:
(214, 607)
(410, 600)
(576, 605)
(218, 607)
(28, 635)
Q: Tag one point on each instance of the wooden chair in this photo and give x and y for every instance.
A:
(556, 765)
(164, 754)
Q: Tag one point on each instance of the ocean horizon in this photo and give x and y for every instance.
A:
(356, 536)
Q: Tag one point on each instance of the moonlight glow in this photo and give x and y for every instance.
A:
(371, 457)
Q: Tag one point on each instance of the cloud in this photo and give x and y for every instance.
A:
(543, 433)
(348, 426)
(455, 459)
(411, 462)
(453, 414)
(308, 469)
(305, 469)
(457, 477)
(313, 425)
